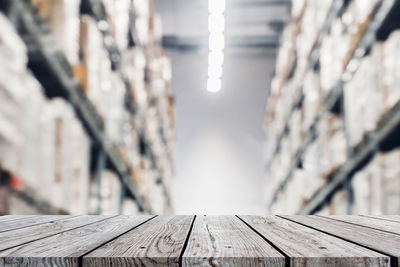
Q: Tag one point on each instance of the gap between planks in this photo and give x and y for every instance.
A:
(186, 241)
(394, 261)
(392, 227)
(287, 258)
(391, 218)
(158, 242)
(66, 247)
(309, 247)
(43, 235)
(80, 258)
(245, 224)
(227, 241)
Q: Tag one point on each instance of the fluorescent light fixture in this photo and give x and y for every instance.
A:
(214, 71)
(213, 85)
(215, 58)
(216, 23)
(216, 42)
(216, 6)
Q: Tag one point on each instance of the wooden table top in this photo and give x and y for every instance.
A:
(199, 240)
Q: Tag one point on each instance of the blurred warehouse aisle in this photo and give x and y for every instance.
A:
(219, 134)
(200, 106)
(219, 137)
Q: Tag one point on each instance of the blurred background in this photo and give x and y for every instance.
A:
(199, 107)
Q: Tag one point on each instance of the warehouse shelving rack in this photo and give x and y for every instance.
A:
(50, 67)
(313, 58)
(95, 8)
(390, 123)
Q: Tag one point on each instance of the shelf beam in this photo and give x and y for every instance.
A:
(364, 153)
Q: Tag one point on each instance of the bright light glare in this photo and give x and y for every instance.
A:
(216, 23)
(215, 58)
(216, 42)
(216, 6)
(213, 85)
(214, 71)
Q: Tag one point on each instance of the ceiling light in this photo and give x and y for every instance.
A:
(216, 23)
(216, 42)
(215, 58)
(213, 85)
(214, 71)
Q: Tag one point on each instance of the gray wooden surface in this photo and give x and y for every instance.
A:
(393, 218)
(20, 222)
(309, 247)
(155, 243)
(39, 231)
(65, 248)
(375, 223)
(225, 240)
(384, 242)
(5, 218)
(199, 241)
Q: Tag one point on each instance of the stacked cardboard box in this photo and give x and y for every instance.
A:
(43, 143)
(376, 187)
(370, 93)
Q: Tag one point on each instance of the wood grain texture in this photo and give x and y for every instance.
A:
(213, 241)
(65, 248)
(383, 242)
(158, 242)
(393, 218)
(383, 225)
(308, 247)
(21, 236)
(21, 222)
(5, 218)
(227, 241)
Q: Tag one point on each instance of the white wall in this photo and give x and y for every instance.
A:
(220, 168)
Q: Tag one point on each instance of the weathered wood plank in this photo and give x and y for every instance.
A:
(28, 221)
(158, 242)
(227, 241)
(383, 242)
(6, 218)
(308, 247)
(65, 248)
(215, 240)
(21, 236)
(383, 225)
(393, 218)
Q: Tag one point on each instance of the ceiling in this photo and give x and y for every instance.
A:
(249, 23)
